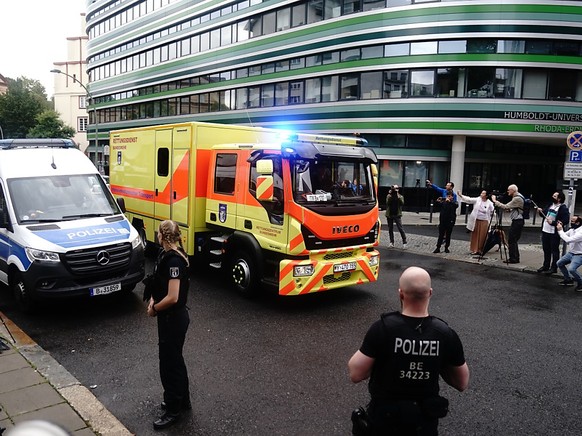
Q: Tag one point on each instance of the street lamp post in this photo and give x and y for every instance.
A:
(90, 96)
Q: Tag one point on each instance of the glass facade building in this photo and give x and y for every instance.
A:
(480, 92)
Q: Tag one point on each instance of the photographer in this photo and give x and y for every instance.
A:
(515, 206)
(394, 203)
(442, 191)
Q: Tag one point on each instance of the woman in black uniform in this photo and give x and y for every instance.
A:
(168, 303)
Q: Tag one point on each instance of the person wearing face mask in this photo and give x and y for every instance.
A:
(573, 258)
(555, 212)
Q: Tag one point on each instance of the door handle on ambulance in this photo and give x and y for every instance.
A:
(156, 192)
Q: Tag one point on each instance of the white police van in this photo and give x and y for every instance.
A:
(62, 233)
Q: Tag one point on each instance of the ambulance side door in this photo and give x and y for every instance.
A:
(267, 217)
(163, 174)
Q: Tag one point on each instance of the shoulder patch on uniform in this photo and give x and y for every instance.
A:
(174, 272)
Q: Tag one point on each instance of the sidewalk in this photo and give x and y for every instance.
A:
(531, 255)
(35, 386)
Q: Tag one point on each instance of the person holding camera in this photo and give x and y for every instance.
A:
(168, 304)
(555, 212)
(449, 187)
(403, 354)
(515, 206)
(394, 203)
(447, 219)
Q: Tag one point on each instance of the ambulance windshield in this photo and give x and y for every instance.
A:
(61, 198)
(340, 182)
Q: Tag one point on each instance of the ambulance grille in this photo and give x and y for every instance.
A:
(336, 256)
(333, 279)
(87, 261)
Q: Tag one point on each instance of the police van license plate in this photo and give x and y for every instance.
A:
(341, 267)
(102, 290)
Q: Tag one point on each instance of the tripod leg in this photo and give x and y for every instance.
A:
(482, 248)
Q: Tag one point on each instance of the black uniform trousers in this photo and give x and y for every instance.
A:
(172, 327)
(514, 234)
(400, 418)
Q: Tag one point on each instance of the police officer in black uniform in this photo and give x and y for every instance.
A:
(168, 304)
(403, 354)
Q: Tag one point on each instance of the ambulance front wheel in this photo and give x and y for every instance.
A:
(244, 274)
(21, 294)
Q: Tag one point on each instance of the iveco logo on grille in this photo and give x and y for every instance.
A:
(103, 257)
(336, 230)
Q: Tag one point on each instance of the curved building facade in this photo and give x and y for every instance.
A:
(480, 92)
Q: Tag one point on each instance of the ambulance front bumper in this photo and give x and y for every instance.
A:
(330, 271)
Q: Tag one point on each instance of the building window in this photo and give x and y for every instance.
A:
(371, 85)
(396, 84)
(447, 82)
(422, 83)
(82, 102)
(82, 123)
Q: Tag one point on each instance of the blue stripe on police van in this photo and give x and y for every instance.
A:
(87, 235)
(8, 248)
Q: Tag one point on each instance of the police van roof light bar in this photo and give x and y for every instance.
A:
(7, 144)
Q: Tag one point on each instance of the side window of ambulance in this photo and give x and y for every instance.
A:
(225, 171)
(163, 162)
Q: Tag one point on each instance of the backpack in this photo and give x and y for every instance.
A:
(526, 207)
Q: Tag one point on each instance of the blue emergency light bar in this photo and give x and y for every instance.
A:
(7, 144)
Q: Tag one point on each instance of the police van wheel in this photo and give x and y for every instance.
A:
(21, 295)
(243, 274)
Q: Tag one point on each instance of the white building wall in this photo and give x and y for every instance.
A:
(70, 97)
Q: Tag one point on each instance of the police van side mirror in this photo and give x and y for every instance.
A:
(121, 203)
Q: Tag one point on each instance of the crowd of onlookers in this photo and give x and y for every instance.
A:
(484, 223)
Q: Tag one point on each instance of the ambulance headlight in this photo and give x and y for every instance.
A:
(303, 270)
(42, 256)
(136, 242)
(374, 260)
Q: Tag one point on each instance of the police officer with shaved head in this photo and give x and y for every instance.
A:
(403, 354)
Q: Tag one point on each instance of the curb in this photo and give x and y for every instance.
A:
(88, 407)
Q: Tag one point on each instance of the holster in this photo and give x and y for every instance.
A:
(360, 422)
(435, 407)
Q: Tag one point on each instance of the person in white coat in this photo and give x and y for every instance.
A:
(478, 221)
(572, 260)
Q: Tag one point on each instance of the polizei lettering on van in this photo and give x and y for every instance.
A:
(96, 231)
(416, 348)
(337, 230)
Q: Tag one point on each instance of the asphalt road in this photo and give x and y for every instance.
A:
(277, 366)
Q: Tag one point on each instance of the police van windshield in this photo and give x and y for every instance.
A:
(60, 198)
(337, 182)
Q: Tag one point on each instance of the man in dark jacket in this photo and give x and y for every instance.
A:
(394, 203)
(447, 219)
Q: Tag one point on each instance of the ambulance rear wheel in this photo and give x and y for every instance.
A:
(244, 274)
(21, 294)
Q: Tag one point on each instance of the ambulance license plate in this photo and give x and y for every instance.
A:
(341, 267)
(102, 290)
